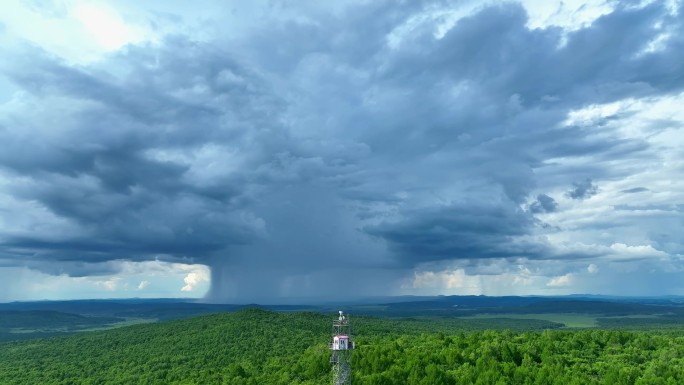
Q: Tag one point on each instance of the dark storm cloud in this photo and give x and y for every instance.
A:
(597, 64)
(102, 164)
(543, 204)
(468, 98)
(583, 189)
(308, 144)
(459, 231)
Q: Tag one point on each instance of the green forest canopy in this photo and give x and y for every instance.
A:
(262, 347)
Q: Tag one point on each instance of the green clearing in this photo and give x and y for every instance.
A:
(81, 328)
(59, 329)
(126, 322)
(567, 319)
(570, 320)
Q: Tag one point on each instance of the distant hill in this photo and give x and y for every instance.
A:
(456, 306)
(27, 320)
(30, 324)
(597, 307)
(49, 319)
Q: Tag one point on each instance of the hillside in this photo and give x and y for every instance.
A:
(50, 319)
(30, 324)
(262, 347)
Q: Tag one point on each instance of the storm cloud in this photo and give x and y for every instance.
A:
(366, 141)
(582, 190)
(544, 204)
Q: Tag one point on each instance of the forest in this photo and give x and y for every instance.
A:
(254, 346)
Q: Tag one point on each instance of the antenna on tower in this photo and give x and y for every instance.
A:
(342, 347)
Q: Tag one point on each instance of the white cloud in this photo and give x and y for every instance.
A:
(110, 284)
(592, 268)
(194, 279)
(104, 25)
(592, 114)
(453, 281)
(152, 279)
(76, 30)
(569, 14)
(520, 280)
(561, 281)
(624, 251)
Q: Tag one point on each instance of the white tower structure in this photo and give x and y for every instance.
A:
(341, 347)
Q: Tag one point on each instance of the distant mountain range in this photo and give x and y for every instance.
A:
(23, 320)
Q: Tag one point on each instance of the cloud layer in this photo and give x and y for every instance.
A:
(368, 143)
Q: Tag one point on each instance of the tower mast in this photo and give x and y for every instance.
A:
(342, 347)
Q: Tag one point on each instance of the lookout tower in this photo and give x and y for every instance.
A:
(341, 347)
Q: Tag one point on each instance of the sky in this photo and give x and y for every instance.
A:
(282, 151)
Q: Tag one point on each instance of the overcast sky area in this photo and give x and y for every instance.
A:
(272, 151)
